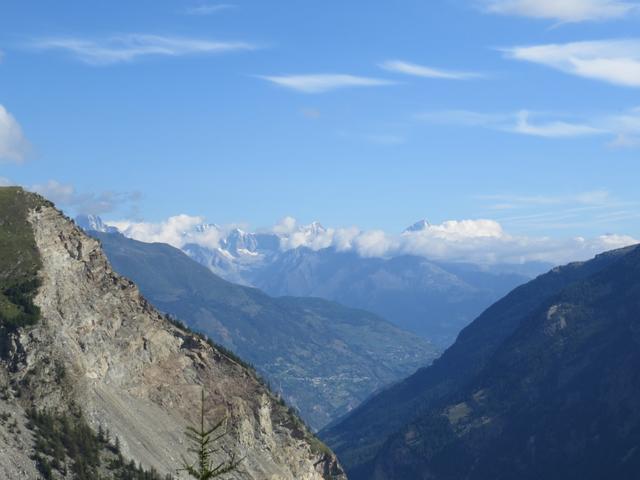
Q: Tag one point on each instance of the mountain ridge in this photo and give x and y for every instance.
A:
(432, 299)
(360, 435)
(556, 399)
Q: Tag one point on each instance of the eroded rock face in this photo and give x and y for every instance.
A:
(100, 346)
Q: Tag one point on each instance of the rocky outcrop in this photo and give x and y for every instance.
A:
(101, 347)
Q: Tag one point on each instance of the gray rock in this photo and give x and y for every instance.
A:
(135, 373)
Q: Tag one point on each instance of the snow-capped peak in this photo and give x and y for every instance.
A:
(93, 223)
(314, 228)
(239, 241)
(418, 226)
(205, 227)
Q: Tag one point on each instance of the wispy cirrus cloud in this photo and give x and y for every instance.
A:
(591, 197)
(562, 10)
(600, 198)
(626, 128)
(559, 212)
(466, 118)
(521, 122)
(323, 82)
(612, 61)
(552, 129)
(130, 47)
(623, 128)
(407, 68)
(14, 146)
(209, 9)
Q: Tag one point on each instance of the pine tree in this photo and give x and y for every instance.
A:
(204, 441)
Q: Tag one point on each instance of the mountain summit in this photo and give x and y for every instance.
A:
(94, 223)
(418, 226)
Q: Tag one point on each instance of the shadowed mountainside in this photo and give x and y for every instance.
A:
(365, 439)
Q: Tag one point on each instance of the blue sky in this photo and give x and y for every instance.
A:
(364, 113)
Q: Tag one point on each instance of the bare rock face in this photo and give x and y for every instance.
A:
(101, 347)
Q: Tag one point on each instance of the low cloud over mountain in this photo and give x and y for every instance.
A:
(481, 241)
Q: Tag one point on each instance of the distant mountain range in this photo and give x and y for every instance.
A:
(324, 358)
(432, 299)
(544, 384)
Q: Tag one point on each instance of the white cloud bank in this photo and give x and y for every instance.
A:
(612, 61)
(482, 241)
(562, 10)
(407, 68)
(176, 231)
(324, 82)
(13, 144)
(129, 47)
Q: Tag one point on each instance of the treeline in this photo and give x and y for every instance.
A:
(17, 309)
(67, 444)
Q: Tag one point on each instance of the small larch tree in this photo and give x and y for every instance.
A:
(205, 444)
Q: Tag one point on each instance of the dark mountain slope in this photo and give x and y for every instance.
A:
(358, 437)
(325, 358)
(557, 400)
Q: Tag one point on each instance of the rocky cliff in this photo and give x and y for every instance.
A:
(98, 347)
